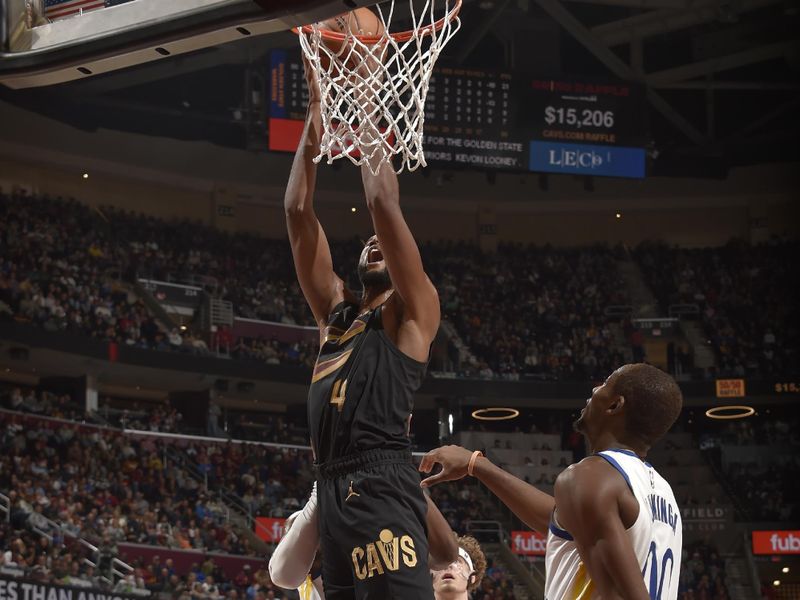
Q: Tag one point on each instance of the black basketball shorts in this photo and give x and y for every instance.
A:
(372, 525)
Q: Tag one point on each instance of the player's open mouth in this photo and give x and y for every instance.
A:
(374, 255)
(447, 576)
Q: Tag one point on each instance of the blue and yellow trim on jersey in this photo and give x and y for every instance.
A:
(306, 589)
(583, 586)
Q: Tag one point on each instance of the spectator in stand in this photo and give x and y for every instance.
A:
(110, 487)
(496, 584)
(562, 333)
(524, 311)
(766, 485)
(529, 310)
(25, 554)
(702, 574)
(43, 402)
(741, 292)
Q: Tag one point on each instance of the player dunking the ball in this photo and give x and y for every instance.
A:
(373, 356)
(613, 528)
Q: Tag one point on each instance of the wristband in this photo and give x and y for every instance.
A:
(472, 460)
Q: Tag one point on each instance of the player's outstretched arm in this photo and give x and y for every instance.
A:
(322, 288)
(588, 497)
(532, 506)
(400, 251)
(442, 545)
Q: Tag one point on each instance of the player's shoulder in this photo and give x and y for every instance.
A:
(593, 474)
(585, 467)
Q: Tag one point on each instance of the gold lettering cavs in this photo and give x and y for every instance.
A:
(385, 554)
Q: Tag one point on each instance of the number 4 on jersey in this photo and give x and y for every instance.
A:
(338, 394)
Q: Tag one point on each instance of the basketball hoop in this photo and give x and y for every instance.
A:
(373, 87)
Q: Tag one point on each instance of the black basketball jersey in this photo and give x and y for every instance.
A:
(362, 389)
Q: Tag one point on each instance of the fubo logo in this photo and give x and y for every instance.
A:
(776, 542)
(270, 529)
(528, 543)
(785, 543)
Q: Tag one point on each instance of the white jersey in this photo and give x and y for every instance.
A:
(311, 590)
(656, 536)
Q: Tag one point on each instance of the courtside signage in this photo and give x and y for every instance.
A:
(586, 159)
(269, 529)
(776, 542)
(16, 588)
(528, 543)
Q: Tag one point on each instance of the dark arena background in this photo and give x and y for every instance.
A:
(609, 181)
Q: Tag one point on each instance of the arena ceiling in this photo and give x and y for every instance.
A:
(721, 76)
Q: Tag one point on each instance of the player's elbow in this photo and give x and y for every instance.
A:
(293, 206)
(284, 578)
(297, 210)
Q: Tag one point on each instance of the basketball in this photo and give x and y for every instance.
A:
(361, 21)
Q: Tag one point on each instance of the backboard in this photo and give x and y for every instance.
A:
(46, 42)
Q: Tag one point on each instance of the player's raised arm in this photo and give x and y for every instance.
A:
(322, 288)
(532, 506)
(442, 544)
(591, 498)
(400, 252)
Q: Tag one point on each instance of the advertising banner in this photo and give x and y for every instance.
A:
(587, 159)
(528, 543)
(706, 518)
(269, 529)
(25, 589)
(594, 112)
(776, 542)
(730, 388)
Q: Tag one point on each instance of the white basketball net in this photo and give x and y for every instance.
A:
(373, 95)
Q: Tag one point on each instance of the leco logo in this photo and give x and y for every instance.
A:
(577, 158)
(528, 543)
(776, 542)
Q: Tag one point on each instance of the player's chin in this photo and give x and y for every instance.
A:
(444, 585)
(375, 275)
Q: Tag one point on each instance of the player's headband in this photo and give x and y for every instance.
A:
(465, 555)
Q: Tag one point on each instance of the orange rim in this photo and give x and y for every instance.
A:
(401, 36)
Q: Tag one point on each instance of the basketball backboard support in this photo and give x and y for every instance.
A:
(36, 51)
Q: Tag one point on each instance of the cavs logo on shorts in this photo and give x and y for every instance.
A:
(385, 554)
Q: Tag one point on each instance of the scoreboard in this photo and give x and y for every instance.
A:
(469, 120)
(500, 121)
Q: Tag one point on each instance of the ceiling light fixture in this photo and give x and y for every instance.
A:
(488, 414)
(733, 411)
